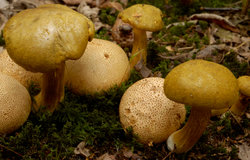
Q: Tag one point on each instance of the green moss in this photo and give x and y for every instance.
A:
(103, 33)
(107, 16)
(2, 42)
(238, 69)
(93, 119)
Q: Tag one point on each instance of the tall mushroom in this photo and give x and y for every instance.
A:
(15, 104)
(143, 18)
(152, 116)
(244, 100)
(205, 86)
(42, 39)
(103, 65)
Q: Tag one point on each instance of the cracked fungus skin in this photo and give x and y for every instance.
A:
(203, 84)
(10, 68)
(152, 116)
(103, 65)
(45, 35)
(15, 104)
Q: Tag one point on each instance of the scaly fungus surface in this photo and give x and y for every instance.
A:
(15, 104)
(152, 116)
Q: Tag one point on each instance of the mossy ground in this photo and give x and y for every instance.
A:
(95, 119)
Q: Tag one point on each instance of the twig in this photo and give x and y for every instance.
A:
(11, 150)
(219, 9)
(237, 47)
(167, 155)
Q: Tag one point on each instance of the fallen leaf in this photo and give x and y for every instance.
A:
(82, 150)
(122, 33)
(219, 20)
(244, 151)
(143, 70)
(72, 2)
(106, 156)
(4, 4)
(117, 6)
(226, 36)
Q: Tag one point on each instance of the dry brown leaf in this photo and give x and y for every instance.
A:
(82, 150)
(4, 4)
(117, 6)
(143, 70)
(26, 4)
(106, 156)
(72, 2)
(219, 20)
(244, 151)
(122, 33)
(226, 36)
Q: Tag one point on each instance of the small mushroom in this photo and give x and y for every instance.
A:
(244, 100)
(10, 68)
(205, 86)
(41, 40)
(103, 65)
(152, 116)
(15, 104)
(143, 18)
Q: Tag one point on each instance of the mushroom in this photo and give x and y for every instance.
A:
(103, 65)
(244, 100)
(10, 68)
(41, 40)
(152, 116)
(205, 86)
(143, 18)
(15, 104)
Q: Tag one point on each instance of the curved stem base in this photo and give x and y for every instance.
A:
(52, 90)
(184, 139)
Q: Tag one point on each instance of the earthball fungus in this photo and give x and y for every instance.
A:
(152, 116)
(41, 40)
(103, 65)
(244, 100)
(10, 68)
(142, 17)
(204, 86)
(15, 104)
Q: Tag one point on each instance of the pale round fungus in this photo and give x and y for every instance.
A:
(103, 65)
(152, 116)
(15, 104)
(10, 68)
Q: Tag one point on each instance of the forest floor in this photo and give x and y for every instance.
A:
(88, 127)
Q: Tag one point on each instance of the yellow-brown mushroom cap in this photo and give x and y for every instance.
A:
(152, 116)
(143, 17)
(59, 6)
(41, 39)
(244, 85)
(103, 65)
(10, 68)
(15, 104)
(202, 84)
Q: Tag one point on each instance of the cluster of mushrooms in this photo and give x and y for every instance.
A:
(40, 40)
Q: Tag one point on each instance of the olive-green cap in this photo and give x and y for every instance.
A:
(244, 85)
(143, 17)
(41, 39)
(202, 84)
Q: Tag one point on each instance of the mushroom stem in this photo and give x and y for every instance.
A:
(52, 89)
(241, 105)
(184, 139)
(139, 50)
